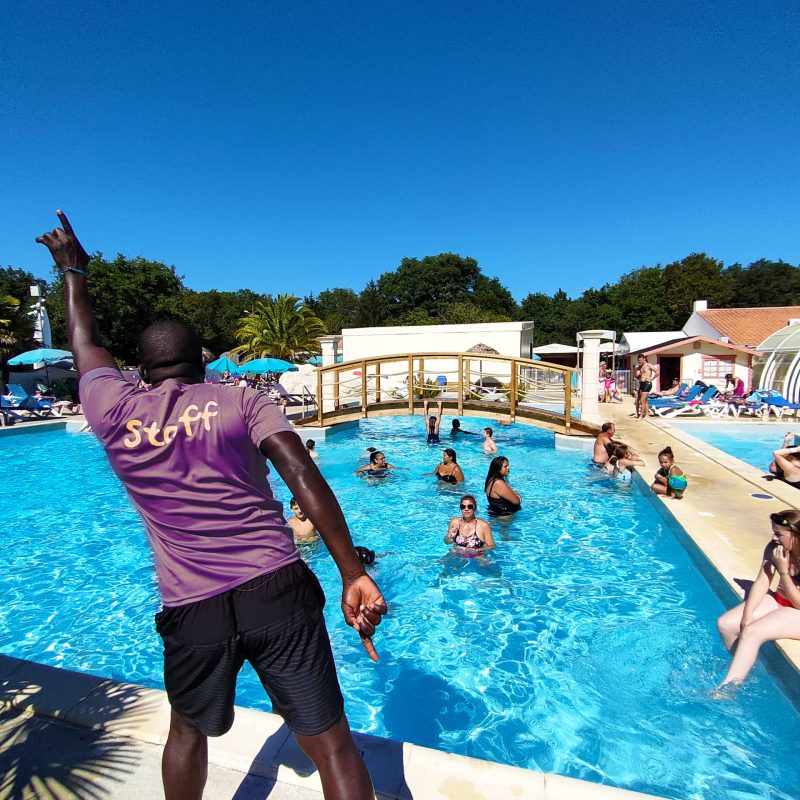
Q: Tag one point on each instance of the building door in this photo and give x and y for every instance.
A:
(669, 367)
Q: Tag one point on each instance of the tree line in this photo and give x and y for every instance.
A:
(130, 293)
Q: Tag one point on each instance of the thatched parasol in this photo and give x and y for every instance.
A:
(483, 348)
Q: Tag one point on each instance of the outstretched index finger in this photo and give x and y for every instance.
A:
(65, 222)
(369, 647)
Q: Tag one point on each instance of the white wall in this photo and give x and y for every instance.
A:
(508, 338)
(692, 365)
(697, 326)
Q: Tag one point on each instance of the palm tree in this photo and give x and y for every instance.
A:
(280, 328)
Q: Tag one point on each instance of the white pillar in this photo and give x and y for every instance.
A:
(330, 352)
(590, 398)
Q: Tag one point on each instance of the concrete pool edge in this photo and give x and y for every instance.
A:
(259, 744)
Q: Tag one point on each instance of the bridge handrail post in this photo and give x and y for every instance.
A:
(460, 384)
(377, 381)
(514, 385)
(411, 385)
(568, 403)
(364, 388)
(320, 373)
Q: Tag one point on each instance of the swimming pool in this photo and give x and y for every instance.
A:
(751, 442)
(584, 645)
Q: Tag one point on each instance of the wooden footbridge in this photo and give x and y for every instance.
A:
(467, 384)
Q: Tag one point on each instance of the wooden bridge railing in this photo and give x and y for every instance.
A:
(502, 385)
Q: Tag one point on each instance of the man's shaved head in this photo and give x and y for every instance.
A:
(170, 349)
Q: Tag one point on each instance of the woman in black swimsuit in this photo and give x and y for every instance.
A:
(468, 533)
(448, 470)
(503, 500)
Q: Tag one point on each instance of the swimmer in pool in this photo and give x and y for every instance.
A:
(432, 423)
(503, 500)
(302, 527)
(489, 445)
(456, 429)
(378, 466)
(447, 470)
(470, 535)
(621, 462)
(310, 446)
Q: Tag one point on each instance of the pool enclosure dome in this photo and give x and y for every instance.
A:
(778, 367)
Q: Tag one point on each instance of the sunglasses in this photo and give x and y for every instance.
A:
(467, 506)
(779, 519)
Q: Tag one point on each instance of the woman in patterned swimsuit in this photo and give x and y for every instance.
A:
(469, 535)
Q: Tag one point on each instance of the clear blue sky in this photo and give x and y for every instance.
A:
(296, 146)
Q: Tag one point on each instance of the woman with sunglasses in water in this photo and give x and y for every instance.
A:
(766, 615)
(468, 534)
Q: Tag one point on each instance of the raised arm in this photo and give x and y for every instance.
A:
(362, 602)
(71, 259)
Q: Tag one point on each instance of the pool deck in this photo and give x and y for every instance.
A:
(65, 734)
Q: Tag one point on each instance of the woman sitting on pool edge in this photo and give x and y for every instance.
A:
(786, 463)
(766, 615)
(378, 466)
(447, 470)
(669, 480)
(503, 500)
(467, 533)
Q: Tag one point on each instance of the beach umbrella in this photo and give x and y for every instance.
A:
(222, 364)
(315, 361)
(266, 365)
(42, 355)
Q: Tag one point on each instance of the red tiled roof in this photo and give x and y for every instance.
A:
(749, 326)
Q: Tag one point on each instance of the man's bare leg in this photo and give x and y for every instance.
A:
(342, 770)
(184, 765)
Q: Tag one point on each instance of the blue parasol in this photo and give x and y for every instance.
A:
(266, 365)
(222, 364)
(42, 355)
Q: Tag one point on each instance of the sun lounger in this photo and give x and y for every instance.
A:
(779, 406)
(676, 409)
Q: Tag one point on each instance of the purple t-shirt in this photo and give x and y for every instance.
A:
(188, 456)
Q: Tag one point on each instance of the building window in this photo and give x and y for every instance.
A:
(717, 367)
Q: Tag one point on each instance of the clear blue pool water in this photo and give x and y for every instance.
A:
(751, 442)
(584, 645)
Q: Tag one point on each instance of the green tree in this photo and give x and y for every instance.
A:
(371, 307)
(548, 315)
(764, 283)
(127, 295)
(637, 302)
(280, 328)
(467, 314)
(696, 277)
(337, 308)
(214, 315)
(17, 282)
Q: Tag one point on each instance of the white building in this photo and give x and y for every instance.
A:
(507, 338)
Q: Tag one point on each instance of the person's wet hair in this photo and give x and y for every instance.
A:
(456, 423)
(489, 431)
(495, 467)
(606, 427)
(170, 344)
(452, 453)
(310, 444)
(373, 456)
(365, 555)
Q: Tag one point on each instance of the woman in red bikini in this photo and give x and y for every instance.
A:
(766, 615)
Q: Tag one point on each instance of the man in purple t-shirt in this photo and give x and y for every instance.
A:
(192, 459)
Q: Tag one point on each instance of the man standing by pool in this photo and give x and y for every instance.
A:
(191, 456)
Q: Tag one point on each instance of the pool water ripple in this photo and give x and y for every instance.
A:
(584, 644)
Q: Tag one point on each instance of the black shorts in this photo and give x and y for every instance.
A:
(273, 621)
(645, 386)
